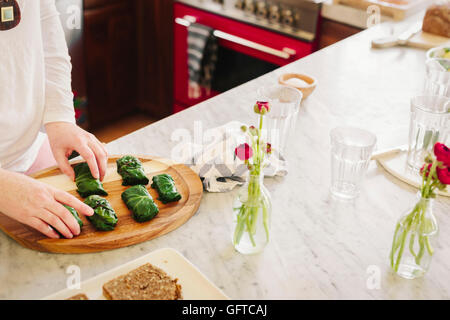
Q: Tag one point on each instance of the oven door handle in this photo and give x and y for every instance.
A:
(286, 53)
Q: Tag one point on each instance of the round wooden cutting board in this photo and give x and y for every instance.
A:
(127, 231)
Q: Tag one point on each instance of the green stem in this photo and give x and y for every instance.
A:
(255, 195)
(421, 250)
(428, 190)
(428, 246)
(395, 244)
(411, 244)
(239, 230)
(250, 235)
(402, 246)
(265, 220)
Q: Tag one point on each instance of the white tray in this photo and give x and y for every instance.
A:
(194, 285)
(395, 164)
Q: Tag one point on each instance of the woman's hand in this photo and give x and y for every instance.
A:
(39, 205)
(66, 137)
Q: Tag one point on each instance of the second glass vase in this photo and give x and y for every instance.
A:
(414, 240)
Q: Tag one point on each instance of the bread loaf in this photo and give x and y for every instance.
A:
(437, 20)
(144, 283)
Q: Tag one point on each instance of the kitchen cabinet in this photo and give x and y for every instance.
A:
(332, 32)
(110, 57)
(155, 56)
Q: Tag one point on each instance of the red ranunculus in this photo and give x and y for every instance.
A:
(268, 148)
(262, 107)
(442, 153)
(443, 174)
(243, 151)
(426, 167)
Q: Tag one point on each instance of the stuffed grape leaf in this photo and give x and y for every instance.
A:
(75, 214)
(87, 185)
(132, 171)
(140, 202)
(104, 217)
(165, 185)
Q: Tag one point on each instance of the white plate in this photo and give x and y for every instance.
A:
(194, 285)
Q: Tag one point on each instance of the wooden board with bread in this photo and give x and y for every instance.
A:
(395, 9)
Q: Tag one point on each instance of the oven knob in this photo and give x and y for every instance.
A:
(239, 4)
(274, 14)
(287, 18)
(249, 6)
(261, 9)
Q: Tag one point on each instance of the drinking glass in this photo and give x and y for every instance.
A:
(437, 80)
(430, 123)
(280, 122)
(351, 150)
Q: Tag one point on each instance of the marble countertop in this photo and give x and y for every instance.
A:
(320, 248)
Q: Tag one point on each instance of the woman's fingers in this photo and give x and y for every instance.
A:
(42, 227)
(54, 221)
(91, 160)
(100, 155)
(66, 217)
(70, 200)
(102, 144)
(64, 164)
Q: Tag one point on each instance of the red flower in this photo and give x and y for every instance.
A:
(443, 175)
(261, 107)
(442, 153)
(428, 167)
(243, 151)
(253, 131)
(268, 148)
(78, 114)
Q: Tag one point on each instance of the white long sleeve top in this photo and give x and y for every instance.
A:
(35, 82)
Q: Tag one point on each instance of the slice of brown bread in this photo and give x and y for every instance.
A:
(80, 296)
(144, 283)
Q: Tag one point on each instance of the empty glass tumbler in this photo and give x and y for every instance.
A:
(430, 123)
(281, 120)
(351, 150)
(437, 80)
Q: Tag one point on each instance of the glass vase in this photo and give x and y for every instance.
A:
(414, 240)
(252, 210)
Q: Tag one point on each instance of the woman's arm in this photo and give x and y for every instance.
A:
(59, 118)
(58, 68)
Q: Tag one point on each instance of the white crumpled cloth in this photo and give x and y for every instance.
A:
(215, 161)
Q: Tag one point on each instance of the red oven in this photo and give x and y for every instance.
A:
(245, 52)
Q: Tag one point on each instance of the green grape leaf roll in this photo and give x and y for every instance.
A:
(165, 185)
(132, 171)
(140, 202)
(104, 217)
(86, 184)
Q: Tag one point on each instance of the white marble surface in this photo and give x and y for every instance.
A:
(320, 248)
